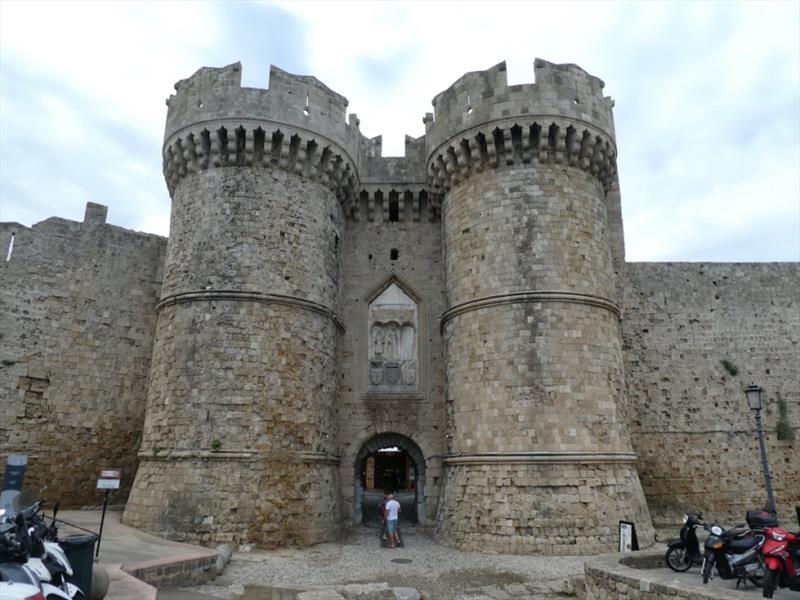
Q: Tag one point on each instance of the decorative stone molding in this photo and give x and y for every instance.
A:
(212, 295)
(240, 455)
(529, 296)
(539, 138)
(252, 143)
(539, 458)
(412, 203)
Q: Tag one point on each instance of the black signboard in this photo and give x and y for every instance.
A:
(15, 472)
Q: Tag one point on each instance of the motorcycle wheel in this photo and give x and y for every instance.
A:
(770, 583)
(708, 565)
(758, 579)
(678, 559)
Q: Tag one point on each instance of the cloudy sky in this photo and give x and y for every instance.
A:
(707, 99)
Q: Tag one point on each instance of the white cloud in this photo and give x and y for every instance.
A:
(707, 97)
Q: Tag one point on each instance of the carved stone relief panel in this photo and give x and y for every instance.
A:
(393, 327)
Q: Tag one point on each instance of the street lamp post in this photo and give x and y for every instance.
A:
(755, 400)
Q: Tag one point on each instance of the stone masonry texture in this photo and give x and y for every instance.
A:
(690, 425)
(76, 337)
(546, 389)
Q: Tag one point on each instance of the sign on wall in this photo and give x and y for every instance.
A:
(627, 537)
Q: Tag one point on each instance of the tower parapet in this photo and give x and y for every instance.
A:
(297, 124)
(481, 121)
(394, 187)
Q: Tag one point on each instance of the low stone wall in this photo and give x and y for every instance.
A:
(353, 591)
(175, 571)
(633, 576)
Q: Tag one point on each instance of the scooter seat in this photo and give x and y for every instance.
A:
(15, 572)
(738, 531)
(742, 544)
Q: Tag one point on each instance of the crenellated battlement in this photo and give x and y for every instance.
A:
(481, 97)
(480, 121)
(302, 101)
(523, 141)
(393, 188)
(297, 124)
(235, 142)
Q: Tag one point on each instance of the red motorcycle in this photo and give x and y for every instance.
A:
(781, 556)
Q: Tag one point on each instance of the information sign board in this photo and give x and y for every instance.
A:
(627, 537)
(108, 484)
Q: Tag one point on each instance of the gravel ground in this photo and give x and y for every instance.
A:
(439, 572)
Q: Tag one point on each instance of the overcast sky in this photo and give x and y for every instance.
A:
(707, 99)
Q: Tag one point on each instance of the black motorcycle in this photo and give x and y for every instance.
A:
(735, 553)
(685, 552)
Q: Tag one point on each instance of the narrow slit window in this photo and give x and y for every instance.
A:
(393, 254)
(394, 210)
(305, 110)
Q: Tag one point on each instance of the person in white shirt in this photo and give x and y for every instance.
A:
(392, 513)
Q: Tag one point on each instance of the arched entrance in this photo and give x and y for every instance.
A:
(389, 460)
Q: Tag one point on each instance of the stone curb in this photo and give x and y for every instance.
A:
(358, 591)
(124, 586)
(175, 571)
(630, 576)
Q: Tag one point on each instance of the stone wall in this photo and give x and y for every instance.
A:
(556, 507)
(239, 437)
(539, 455)
(531, 354)
(368, 268)
(77, 318)
(691, 428)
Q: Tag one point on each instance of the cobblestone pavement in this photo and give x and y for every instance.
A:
(440, 573)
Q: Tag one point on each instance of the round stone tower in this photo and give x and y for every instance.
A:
(238, 441)
(538, 457)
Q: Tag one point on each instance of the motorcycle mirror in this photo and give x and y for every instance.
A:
(55, 509)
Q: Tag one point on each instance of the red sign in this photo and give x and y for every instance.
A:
(110, 473)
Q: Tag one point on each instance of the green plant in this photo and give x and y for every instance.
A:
(729, 366)
(216, 445)
(783, 429)
(156, 451)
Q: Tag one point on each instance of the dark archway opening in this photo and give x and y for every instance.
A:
(389, 462)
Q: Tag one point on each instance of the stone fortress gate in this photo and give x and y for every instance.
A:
(266, 290)
(465, 309)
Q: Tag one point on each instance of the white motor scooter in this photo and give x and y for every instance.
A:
(46, 560)
(17, 582)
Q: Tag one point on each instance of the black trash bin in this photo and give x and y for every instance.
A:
(79, 549)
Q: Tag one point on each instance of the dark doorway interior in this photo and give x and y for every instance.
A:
(389, 463)
(390, 470)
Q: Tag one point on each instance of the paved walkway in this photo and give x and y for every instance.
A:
(123, 545)
(440, 573)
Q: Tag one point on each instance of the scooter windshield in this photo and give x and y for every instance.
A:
(25, 499)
